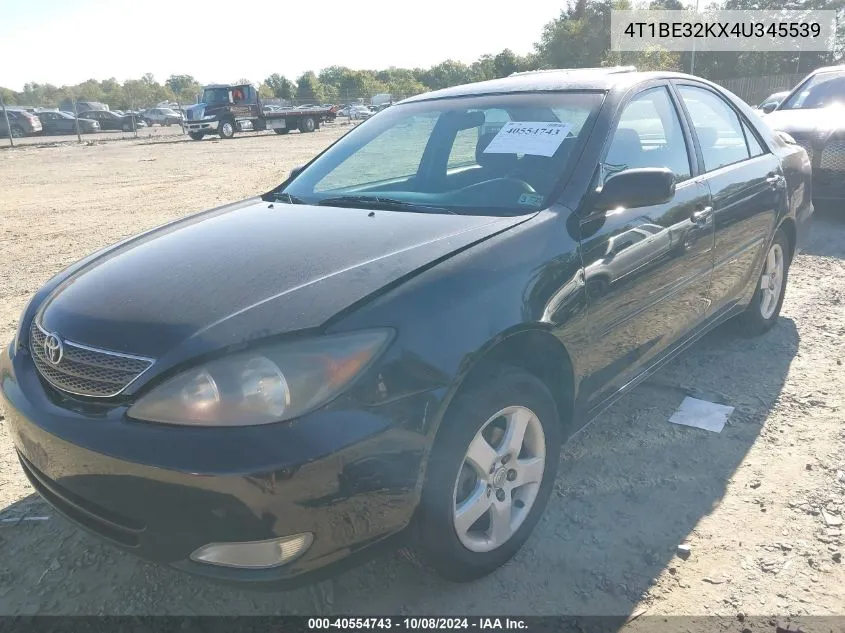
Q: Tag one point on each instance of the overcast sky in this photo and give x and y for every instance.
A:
(69, 41)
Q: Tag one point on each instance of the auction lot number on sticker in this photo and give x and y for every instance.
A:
(525, 137)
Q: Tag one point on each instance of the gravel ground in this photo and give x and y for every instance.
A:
(751, 502)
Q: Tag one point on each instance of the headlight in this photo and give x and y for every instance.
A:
(209, 117)
(271, 384)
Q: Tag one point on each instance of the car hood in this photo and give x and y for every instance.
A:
(245, 271)
(809, 122)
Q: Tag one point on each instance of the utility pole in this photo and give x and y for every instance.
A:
(692, 57)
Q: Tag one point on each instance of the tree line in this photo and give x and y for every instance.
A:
(579, 37)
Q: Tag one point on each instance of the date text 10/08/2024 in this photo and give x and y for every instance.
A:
(417, 624)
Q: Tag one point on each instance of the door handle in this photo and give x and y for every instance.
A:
(702, 216)
(774, 180)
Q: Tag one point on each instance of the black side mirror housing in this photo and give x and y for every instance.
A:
(769, 107)
(634, 188)
(295, 171)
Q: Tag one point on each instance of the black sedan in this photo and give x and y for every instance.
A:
(55, 122)
(814, 116)
(112, 121)
(397, 339)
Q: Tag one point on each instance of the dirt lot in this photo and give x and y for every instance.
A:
(750, 501)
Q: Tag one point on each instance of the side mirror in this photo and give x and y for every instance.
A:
(769, 107)
(295, 171)
(636, 188)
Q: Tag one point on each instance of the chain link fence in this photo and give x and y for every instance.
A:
(753, 90)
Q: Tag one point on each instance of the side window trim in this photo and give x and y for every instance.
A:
(695, 166)
(745, 132)
(748, 127)
(743, 123)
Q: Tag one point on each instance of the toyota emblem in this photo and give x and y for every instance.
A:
(53, 349)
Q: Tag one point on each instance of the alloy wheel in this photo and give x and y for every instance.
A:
(499, 479)
(771, 281)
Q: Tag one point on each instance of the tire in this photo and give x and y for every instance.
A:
(764, 309)
(17, 131)
(463, 551)
(598, 286)
(197, 136)
(148, 122)
(281, 130)
(307, 125)
(227, 128)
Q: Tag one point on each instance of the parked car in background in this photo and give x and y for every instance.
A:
(111, 121)
(21, 123)
(813, 114)
(256, 393)
(56, 122)
(162, 116)
(360, 112)
(82, 106)
(772, 101)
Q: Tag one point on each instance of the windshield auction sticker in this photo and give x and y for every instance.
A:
(534, 138)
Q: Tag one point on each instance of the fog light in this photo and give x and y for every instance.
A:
(255, 554)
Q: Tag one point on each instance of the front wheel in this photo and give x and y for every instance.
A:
(17, 132)
(197, 136)
(490, 475)
(307, 125)
(764, 309)
(227, 128)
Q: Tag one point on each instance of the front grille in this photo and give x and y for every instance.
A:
(833, 156)
(85, 371)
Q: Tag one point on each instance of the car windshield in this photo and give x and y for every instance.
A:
(215, 95)
(168, 112)
(492, 155)
(819, 91)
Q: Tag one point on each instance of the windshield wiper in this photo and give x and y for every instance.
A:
(379, 202)
(287, 198)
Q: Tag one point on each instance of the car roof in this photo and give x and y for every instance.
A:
(226, 86)
(555, 80)
(827, 69)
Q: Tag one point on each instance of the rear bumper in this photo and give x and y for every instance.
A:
(347, 477)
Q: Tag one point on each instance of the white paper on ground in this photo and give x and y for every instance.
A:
(702, 414)
(534, 138)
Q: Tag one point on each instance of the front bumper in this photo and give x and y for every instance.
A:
(201, 126)
(828, 162)
(349, 477)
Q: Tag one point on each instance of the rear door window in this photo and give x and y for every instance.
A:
(717, 127)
